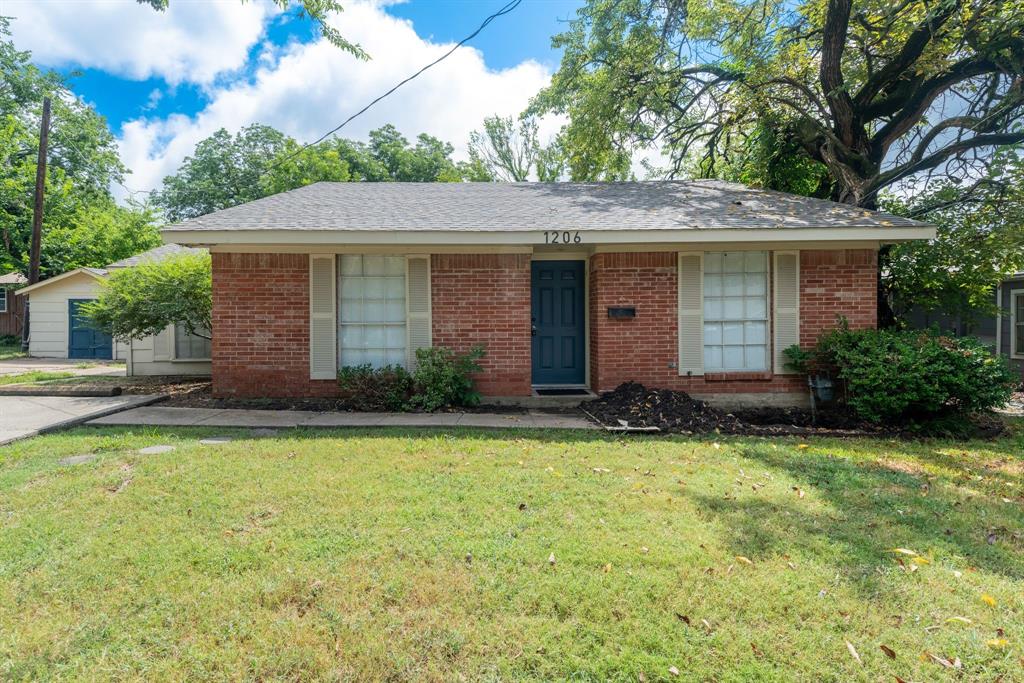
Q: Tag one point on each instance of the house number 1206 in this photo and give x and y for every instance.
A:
(564, 237)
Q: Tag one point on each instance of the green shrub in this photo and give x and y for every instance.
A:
(9, 340)
(899, 376)
(443, 378)
(365, 388)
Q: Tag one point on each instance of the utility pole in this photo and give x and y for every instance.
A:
(37, 215)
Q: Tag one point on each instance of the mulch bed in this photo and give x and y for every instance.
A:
(677, 412)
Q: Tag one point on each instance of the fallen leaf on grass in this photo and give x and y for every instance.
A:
(674, 671)
(944, 661)
(802, 446)
(959, 620)
(988, 600)
(551, 559)
(920, 560)
(607, 567)
(889, 652)
(707, 624)
(683, 618)
(997, 643)
(744, 560)
(904, 551)
(799, 491)
(853, 652)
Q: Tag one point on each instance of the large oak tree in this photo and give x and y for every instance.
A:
(872, 94)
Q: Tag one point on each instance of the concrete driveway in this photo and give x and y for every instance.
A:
(25, 416)
(19, 366)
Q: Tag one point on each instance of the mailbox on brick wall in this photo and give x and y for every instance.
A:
(622, 312)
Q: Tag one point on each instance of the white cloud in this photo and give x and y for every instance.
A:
(307, 89)
(190, 41)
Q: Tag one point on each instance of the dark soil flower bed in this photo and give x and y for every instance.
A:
(677, 412)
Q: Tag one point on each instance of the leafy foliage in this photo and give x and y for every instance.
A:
(82, 225)
(317, 10)
(512, 152)
(870, 92)
(980, 242)
(444, 378)
(364, 387)
(258, 161)
(897, 376)
(145, 299)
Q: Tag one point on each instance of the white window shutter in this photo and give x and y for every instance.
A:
(323, 329)
(163, 344)
(417, 307)
(691, 313)
(786, 308)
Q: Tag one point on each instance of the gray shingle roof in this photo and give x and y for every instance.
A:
(651, 205)
(154, 254)
(13, 279)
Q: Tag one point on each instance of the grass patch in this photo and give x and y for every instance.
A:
(423, 555)
(9, 351)
(33, 376)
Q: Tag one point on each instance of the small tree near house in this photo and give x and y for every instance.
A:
(145, 299)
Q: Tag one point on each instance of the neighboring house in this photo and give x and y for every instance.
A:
(12, 305)
(57, 330)
(1010, 321)
(696, 286)
(1003, 332)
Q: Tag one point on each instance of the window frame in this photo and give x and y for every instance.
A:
(175, 358)
(1016, 350)
(340, 323)
(4, 299)
(767, 320)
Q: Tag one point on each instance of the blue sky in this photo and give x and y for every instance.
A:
(521, 35)
(167, 80)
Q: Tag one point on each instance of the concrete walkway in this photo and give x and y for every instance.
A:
(25, 416)
(19, 366)
(212, 417)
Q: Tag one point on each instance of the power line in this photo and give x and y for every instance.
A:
(510, 6)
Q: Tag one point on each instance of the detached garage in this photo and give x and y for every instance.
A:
(57, 329)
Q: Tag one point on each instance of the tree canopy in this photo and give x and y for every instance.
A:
(980, 240)
(259, 160)
(862, 95)
(511, 151)
(82, 224)
(145, 299)
(319, 11)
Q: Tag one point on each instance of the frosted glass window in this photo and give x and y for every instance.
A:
(735, 311)
(190, 346)
(371, 310)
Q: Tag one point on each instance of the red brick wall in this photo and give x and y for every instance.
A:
(261, 319)
(485, 299)
(833, 283)
(261, 327)
(642, 348)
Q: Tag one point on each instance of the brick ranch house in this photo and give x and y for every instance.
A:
(695, 285)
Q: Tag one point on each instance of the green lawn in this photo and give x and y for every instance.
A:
(33, 376)
(11, 351)
(419, 555)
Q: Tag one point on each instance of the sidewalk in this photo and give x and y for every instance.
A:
(213, 417)
(24, 416)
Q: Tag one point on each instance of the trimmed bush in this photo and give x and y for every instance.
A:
(444, 378)
(365, 388)
(899, 376)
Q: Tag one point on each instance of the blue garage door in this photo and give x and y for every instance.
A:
(558, 337)
(83, 341)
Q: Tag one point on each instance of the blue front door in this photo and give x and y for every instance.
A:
(83, 341)
(557, 292)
